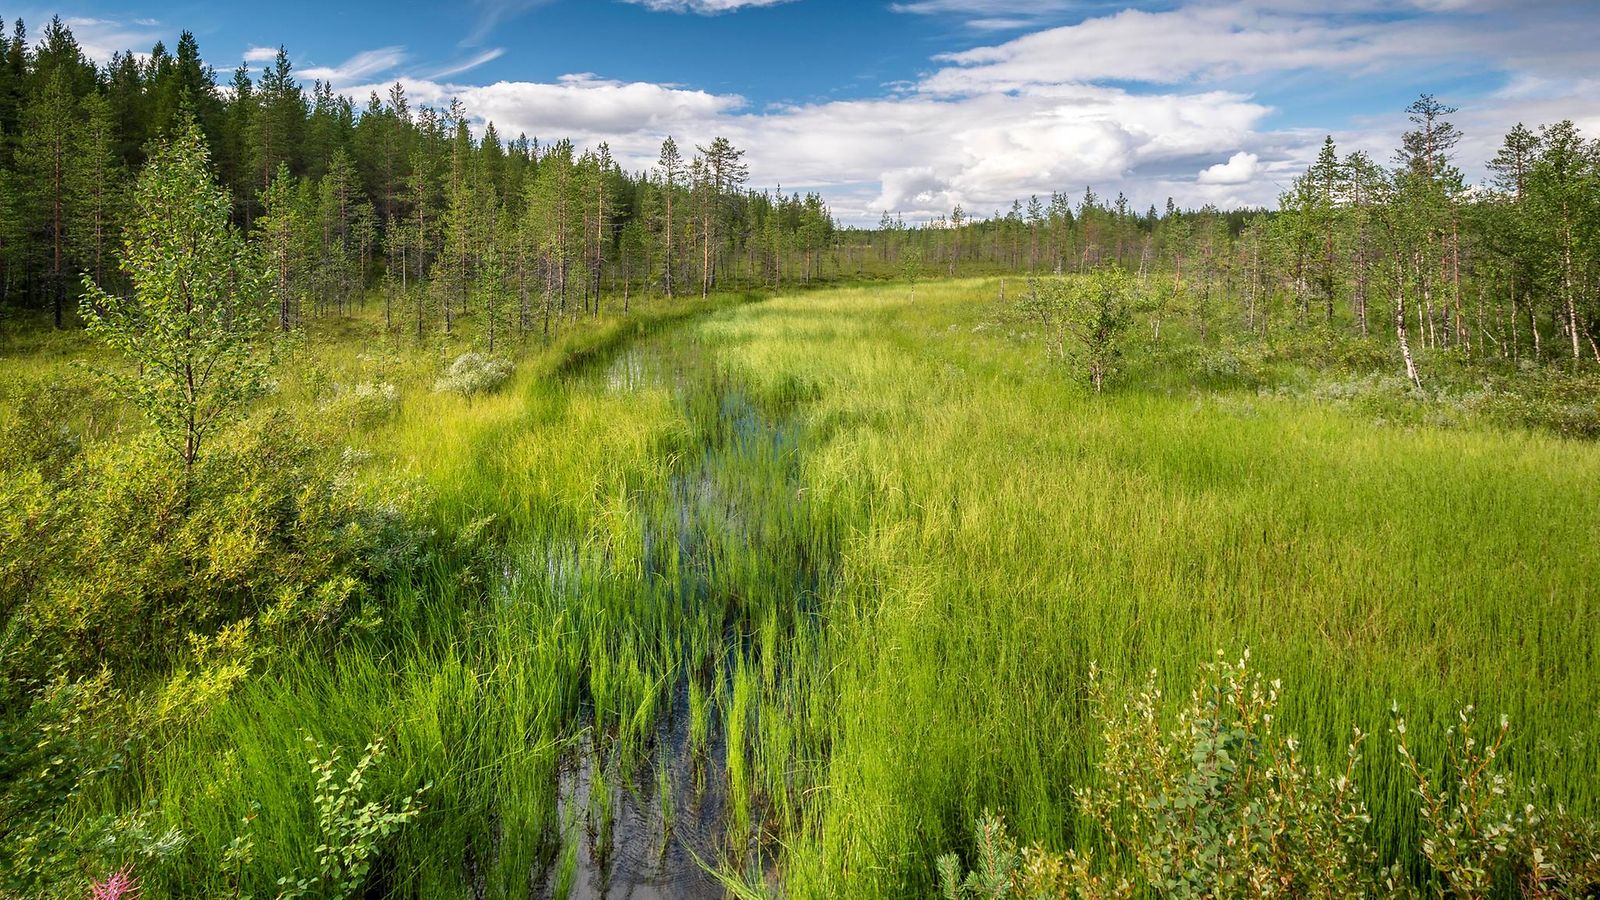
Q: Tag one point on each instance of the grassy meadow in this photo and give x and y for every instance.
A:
(780, 596)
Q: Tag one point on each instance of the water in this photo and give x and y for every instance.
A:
(649, 826)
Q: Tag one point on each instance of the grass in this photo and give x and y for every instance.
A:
(1001, 529)
(877, 544)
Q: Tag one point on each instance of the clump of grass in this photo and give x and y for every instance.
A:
(699, 716)
(736, 723)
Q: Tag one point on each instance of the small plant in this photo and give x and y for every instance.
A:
(911, 268)
(119, 885)
(1086, 318)
(352, 831)
(1217, 804)
(474, 373)
(998, 861)
(1478, 836)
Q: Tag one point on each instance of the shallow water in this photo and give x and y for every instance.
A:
(667, 816)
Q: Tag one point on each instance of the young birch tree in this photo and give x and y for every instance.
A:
(194, 322)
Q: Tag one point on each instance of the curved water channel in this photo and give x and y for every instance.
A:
(727, 543)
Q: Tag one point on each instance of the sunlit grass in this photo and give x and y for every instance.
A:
(876, 544)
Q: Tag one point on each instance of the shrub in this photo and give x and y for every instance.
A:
(350, 828)
(474, 373)
(117, 563)
(1216, 803)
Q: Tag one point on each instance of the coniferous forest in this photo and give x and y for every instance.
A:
(393, 507)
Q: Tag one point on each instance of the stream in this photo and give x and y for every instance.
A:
(659, 822)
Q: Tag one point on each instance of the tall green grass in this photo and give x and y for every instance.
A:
(862, 551)
(1000, 529)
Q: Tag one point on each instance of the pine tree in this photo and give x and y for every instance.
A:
(95, 188)
(670, 165)
(278, 120)
(44, 161)
(723, 174)
(278, 230)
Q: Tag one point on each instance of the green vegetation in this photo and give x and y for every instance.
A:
(871, 545)
(815, 592)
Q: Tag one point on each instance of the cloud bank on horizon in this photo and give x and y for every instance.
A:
(1204, 101)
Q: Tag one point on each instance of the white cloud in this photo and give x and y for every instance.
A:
(918, 154)
(704, 7)
(361, 66)
(260, 54)
(468, 64)
(1048, 111)
(100, 39)
(1240, 168)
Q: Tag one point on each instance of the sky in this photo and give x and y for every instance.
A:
(915, 106)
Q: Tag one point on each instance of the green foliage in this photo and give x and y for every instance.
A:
(997, 864)
(797, 506)
(1085, 318)
(1481, 833)
(193, 325)
(1214, 803)
(1217, 802)
(351, 829)
(124, 554)
(474, 373)
(52, 746)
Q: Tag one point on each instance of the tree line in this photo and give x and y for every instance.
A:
(341, 200)
(523, 235)
(1508, 270)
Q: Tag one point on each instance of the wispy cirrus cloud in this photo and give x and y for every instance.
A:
(468, 64)
(360, 67)
(705, 7)
(494, 13)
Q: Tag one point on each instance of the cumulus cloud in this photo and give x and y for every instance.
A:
(260, 54)
(1052, 110)
(917, 154)
(1240, 168)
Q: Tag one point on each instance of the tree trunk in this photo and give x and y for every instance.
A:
(1400, 331)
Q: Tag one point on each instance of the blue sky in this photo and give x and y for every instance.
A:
(917, 105)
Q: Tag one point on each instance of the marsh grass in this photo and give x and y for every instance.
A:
(876, 546)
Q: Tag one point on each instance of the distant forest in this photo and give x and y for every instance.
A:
(343, 199)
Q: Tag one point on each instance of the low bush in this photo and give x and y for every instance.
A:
(474, 373)
(1214, 802)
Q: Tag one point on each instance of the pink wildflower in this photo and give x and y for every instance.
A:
(119, 885)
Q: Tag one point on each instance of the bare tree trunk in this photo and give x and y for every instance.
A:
(1400, 331)
(1566, 288)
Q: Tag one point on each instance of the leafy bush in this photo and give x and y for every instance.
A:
(351, 829)
(1217, 803)
(118, 560)
(474, 373)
